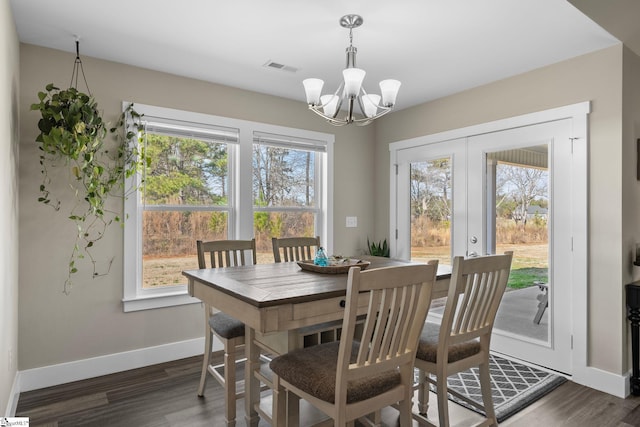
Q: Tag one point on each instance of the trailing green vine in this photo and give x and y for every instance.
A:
(73, 134)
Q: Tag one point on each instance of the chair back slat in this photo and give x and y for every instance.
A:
(410, 297)
(294, 248)
(398, 300)
(225, 253)
(391, 335)
(474, 295)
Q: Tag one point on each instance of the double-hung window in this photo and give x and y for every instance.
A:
(287, 189)
(212, 178)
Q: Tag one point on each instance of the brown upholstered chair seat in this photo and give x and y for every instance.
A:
(428, 346)
(313, 370)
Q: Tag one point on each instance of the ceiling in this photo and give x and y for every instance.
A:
(434, 47)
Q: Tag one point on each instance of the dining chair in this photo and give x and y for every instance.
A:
(359, 375)
(294, 248)
(230, 331)
(462, 339)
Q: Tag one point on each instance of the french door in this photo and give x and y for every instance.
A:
(488, 193)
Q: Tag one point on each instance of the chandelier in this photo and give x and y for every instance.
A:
(350, 90)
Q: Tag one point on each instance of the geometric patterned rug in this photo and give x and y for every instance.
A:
(514, 386)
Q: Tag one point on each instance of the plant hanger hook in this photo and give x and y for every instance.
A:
(77, 69)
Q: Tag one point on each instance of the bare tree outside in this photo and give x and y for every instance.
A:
(522, 186)
(282, 178)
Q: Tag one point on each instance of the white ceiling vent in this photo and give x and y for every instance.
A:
(278, 66)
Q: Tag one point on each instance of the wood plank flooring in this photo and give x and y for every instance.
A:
(165, 395)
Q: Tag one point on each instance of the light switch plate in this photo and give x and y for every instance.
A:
(352, 221)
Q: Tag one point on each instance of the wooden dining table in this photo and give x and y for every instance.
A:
(275, 301)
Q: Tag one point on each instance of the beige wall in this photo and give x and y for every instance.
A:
(595, 77)
(9, 87)
(55, 328)
(90, 321)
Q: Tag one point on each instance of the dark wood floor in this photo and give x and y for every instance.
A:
(165, 395)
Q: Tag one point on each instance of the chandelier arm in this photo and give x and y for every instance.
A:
(340, 99)
(332, 120)
(360, 122)
(360, 103)
(367, 120)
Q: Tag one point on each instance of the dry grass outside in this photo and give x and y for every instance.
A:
(167, 271)
(524, 255)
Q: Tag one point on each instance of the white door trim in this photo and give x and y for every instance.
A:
(579, 114)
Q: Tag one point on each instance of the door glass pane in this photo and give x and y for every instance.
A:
(520, 223)
(430, 198)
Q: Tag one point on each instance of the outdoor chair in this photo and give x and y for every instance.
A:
(462, 339)
(359, 375)
(543, 301)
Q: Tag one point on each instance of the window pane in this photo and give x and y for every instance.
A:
(283, 177)
(185, 171)
(169, 243)
(267, 225)
(431, 210)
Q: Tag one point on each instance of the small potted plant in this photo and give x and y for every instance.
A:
(378, 249)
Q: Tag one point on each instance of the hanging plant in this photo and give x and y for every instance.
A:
(73, 134)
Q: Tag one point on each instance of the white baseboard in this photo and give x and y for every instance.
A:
(14, 395)
(614, 384)
(47, 376)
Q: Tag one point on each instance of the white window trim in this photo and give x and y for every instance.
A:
(240, 204)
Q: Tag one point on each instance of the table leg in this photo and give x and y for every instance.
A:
(251, 383)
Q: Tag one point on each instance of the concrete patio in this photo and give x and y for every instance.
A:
(516, 313)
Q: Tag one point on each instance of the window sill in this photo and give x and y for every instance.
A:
(158, 300)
